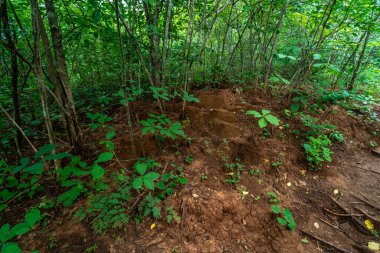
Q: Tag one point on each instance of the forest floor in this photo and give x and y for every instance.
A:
(328, 205)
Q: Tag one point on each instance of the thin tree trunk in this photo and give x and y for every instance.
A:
(358, 64)
(39, 74)
(123, 76)
(14, 72)
(62, 74)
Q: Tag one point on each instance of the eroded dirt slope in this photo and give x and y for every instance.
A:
(218, 217)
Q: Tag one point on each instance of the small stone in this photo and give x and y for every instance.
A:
(316, 225)
(302, 183)
(195, 195)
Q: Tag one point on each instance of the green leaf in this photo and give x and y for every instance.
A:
(35, 169)
(56, 156)
(97, 171)
(273, 120)
(317, 56)
(305, 241)
(262, 123)
(276, 209)
(104, 157)
(137, 183)
(265, 112)
(67, 198)
(294, 107)
(292, 226)
(281, 221)
(10, 247)
(149, 180)
(110, 135)
(45, 149)
(32, 217)
(256, 114)
(141, 168)
(4, 230)
(18, 229)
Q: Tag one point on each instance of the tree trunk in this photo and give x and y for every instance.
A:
(39, 73)
(62, 74)
(14, 72)
(358, 64)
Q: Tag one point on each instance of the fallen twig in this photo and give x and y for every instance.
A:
(325, 242)
(365, 201)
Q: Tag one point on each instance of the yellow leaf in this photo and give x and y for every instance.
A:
(231, 173)
(373, 246)
(153, 226)
(369, 224)
(266, 161)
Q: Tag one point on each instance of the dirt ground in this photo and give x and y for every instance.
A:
(329, 206)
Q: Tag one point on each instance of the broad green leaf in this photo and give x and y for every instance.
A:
(45, 149)
(294, 107)
(273, 120)
(276, 209)
(317, 56)
(265, 112)
(67, 198)
(281, 221)
(262, 123)
(149, 180)
(256, 114)
(32, 217)
(10, 247)
(141, 168)
(97, 171)
(137, 183)
(18, 229)
(56, 156)
(4, 230)
(104, 157)
(35, 169)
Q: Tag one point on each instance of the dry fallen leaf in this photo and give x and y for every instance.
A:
(373, 246)
(303, 172)
(266, 161)
(289, 184)
(316, 225)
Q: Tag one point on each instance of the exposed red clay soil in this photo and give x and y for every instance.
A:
(218, 217)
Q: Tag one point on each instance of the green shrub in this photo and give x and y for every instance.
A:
(318, 151)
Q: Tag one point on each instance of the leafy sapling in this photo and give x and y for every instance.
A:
(264, 117)
(285, 217)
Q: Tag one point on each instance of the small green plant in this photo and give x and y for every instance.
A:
(336, 136)
(7, 233)
(276, 164)
(172, 215)
(97, 120)
(91, 248)
(318, 151)
(264, 117)
(272, 197)
(235, 169)
(144, 179)
(203, 176)
(188, 159)
(162, 127)
(372, 144)
(285, 217)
